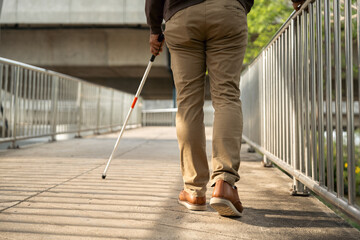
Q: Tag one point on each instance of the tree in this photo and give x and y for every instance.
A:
(265, 18)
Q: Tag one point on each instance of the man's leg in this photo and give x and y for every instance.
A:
(225, 50)
(184, 37)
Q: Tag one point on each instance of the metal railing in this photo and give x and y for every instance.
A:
(35, 102)
(167, 117)
(159, 117)
(296, 87)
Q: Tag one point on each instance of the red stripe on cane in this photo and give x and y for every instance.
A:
(134, 102)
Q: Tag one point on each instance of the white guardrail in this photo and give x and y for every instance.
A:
(35, 102)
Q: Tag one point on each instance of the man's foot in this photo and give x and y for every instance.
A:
(225, 200)
(191, 202)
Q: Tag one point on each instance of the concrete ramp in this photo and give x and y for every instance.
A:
(55, 191)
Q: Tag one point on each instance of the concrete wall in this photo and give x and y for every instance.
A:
(112, 57)
(79, 47)
(73, 12)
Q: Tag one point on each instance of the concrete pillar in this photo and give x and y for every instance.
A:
(1, 3)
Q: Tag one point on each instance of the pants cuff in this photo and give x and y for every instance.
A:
(226, 177)
(195, 192)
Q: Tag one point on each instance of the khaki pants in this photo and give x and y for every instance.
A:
(209, 36)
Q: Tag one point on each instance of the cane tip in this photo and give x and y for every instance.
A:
(103, 176)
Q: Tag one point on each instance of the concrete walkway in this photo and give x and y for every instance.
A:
(55, 191)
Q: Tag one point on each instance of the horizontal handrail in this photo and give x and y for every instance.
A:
(164, 110)
(167, 117)
(42, 70)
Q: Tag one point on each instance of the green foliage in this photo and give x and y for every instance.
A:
(357, 169)
(265, 18)
(345, 167)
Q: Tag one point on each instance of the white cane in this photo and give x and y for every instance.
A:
(160, 39)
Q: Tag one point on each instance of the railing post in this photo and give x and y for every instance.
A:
(2, 108)
(16, 108)
(298, 188)
(144, 119)
(320, 78)
(5, 132)
(54, 105)
(328, 77)
(358, 56)
(173, 116)
(313, 144)
(350, 104)
(265, 162)
(97, 131)
(111, 110)
(80, 110)
(338, 102)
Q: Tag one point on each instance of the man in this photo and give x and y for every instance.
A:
(205, 35)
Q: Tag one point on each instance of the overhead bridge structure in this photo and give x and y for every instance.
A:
(101, 41)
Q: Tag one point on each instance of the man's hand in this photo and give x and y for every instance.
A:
(155, 45)
(298, 5)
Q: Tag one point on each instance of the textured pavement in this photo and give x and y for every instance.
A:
(55, 191)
